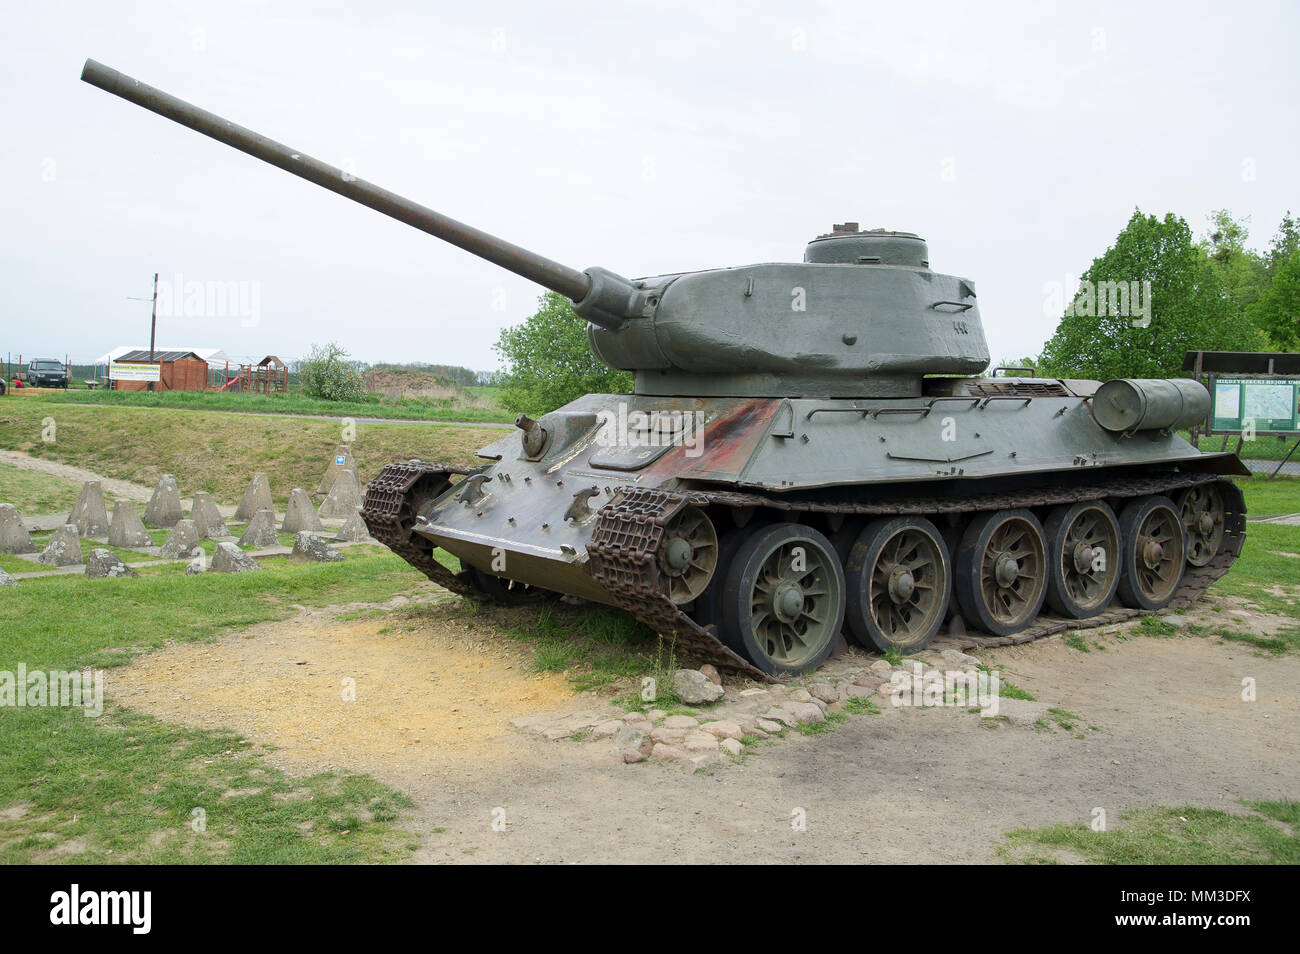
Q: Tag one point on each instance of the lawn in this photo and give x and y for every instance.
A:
(33, 492)
(479, 404)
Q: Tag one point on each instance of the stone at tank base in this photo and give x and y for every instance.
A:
(257, 496)
(300, 514)
(14, 537)
(164, 507)
(307, 546)
(260, 531)
(183, 539)
(105, 564)
(126, 530)
(228, 558)
(64, 548)
(207, 518)
(354, 530)
(88, 513)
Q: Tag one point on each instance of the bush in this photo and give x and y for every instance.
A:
(327, 374)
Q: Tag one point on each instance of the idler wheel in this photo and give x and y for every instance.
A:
(688, 554)
(899, 581)
(1001, 571)
(783, 599)
(1154, 552)
(1084, 562)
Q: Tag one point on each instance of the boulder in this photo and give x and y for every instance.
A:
(632, 744)
(127, 530)
(164, 507)
(694, 688)
(195, 566)
(309, 547)
(354, 530)
(207, 518)
(105, 564)
(300, 515)
(88, 513)
(64, 548)
(183, 538)
(6, 579)
(14, 537)
(260, 531)
(257, 496)
(228, 558)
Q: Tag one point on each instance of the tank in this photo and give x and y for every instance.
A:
(810, 454)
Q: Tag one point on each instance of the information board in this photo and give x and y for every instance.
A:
(1268, 405)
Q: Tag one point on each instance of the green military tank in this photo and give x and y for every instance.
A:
(811, 449)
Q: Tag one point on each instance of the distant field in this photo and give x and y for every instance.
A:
(34, 492)
(217, 451)
(404, 409)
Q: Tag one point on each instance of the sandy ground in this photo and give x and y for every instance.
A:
(1163, 723)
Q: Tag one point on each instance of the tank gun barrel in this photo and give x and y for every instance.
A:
(599, 296)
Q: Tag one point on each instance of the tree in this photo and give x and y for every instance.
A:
(550, 362)
(1278, 309)
(326, 373)
(1285, 242)
(1152, 296)
(1242, 272)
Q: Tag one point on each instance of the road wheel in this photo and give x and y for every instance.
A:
(688, 554)
(1083, 569)
(899, 580)
(1203, 514)
(783, 601)
(1154, 553)
(1001, 571)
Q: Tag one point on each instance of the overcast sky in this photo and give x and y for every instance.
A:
(648, 138)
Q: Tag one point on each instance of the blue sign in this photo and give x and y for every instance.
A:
(339, 459)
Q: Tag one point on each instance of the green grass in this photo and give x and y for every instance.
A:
(1271, 498)
(1268, 834)
(33, 492)
(1261, 448)
(830, 724)
(859, 705)
(470, 408)
(122, 787)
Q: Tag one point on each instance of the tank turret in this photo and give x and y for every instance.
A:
(861, 316)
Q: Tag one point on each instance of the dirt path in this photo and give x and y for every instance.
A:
(1162, 720)
(124, 489)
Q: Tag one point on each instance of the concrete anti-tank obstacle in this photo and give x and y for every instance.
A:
(105, 564)
(207, 518)
(126, 530)
(257, 496)
(228, 558)
(183, 539)
(344, 497)
(14, 537)
(88, 513)
(341, 461)
(260, 532)
(164, 507)
(64, 548)
(354, 530)
(300, 514)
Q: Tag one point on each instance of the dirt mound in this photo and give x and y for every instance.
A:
(414, 384)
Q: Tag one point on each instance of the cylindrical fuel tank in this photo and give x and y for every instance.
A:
(1150, 404)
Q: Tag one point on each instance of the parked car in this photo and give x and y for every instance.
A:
(46, 373)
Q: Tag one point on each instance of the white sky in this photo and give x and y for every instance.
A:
(1016, 138)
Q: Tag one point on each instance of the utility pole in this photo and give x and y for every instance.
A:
(153, 323)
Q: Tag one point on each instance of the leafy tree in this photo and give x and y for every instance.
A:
(326, 373)
(1278, 309)
(1242, 272)
(1285, 242)
(1187, 308)
(550, 362)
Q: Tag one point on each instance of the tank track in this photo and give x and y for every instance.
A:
(630, 526)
